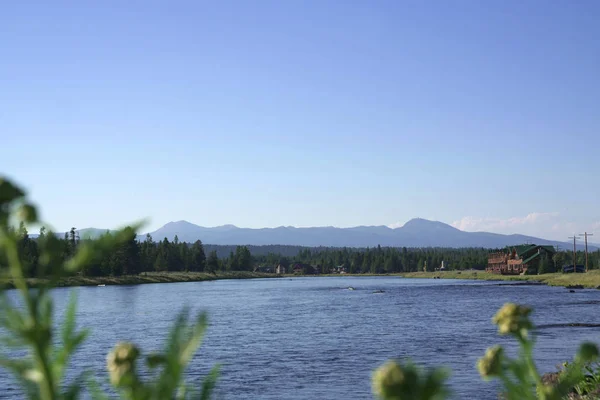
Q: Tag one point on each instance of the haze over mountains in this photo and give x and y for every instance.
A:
(415, 233)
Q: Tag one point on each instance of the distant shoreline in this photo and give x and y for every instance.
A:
(589, 280)
(152, 277)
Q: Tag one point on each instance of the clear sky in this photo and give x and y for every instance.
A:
(482, 114)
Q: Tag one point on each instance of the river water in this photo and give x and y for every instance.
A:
(313, 338)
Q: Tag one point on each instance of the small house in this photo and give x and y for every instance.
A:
(280, 270)
(340, 269)
(304, 269)
(264, 268)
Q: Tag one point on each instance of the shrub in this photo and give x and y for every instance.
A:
(520, 377)
(545, 267)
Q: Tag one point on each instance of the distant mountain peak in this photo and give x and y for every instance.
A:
(181, 222)
(422, 223)
(225, 227)
(416, 221)
(417, 232)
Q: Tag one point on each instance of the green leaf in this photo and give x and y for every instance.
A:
(84, 256)
(210, 382)
(74, 389)
(28, 213)
(71, 340)
(9, 192)
(155, 360)
(12, 341)
(12, 319)
(95, 390)
(194, 342)
(18, 367)
(69, 323)
(434, 387)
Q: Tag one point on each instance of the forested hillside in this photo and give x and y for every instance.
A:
(134, 256)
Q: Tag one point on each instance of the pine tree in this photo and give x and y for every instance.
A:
(212, 263)
(545, 267)
(243, 258)
(28, 251)
(129, 253)
(232, 263)
(148, 253)
(161, 262)
(197, 258)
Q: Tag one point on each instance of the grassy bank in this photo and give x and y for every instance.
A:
(152, 277)
(590, 279)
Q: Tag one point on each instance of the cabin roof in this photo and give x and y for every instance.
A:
(531, 258)
(526, 249)
(523, 248)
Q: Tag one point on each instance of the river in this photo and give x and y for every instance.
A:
(313, 338)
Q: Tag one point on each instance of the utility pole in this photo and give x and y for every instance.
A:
(586, 252)
(574, 237)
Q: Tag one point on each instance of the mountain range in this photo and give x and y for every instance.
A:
(417, 232)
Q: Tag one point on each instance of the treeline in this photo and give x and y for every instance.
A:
(289, 251)
(133, 256)
(379, 259)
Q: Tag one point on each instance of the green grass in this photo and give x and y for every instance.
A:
(152, 277)
(590, 279)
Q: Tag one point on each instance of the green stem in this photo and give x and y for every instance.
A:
(533, 372)
(512, 389)
(46, 386)
(16, 269)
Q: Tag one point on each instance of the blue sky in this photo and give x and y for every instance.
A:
(307, 113)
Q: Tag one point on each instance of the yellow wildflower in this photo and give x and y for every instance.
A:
(120, 362)
(513, 319)
(491, 363)
(388, 380)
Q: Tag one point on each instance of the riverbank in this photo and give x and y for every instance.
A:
(152, 277)
(589, 279)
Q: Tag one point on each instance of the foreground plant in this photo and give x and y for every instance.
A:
(396, 381)
(589, 386)
(30, 326)
(520, 377)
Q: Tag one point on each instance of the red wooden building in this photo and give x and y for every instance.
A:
(515, 260)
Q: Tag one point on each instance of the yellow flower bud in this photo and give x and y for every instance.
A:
(120, 362)
(512, 319)
(491, 363)
(387, 380)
